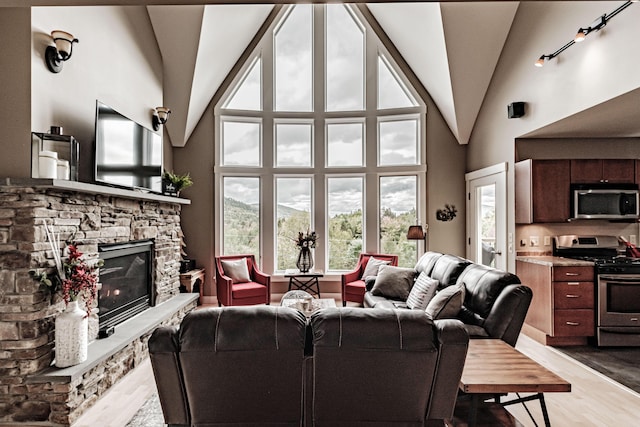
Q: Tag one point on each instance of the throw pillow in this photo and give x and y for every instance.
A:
(447, 303)
(394, 282)
(373, 265)
(237, 270)
(422, 292)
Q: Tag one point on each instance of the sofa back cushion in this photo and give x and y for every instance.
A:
(372, 365)
(426, 262)
(483, 286)
(448, 268)
(243, 365)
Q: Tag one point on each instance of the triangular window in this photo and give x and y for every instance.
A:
(392, 93)
(248, 94)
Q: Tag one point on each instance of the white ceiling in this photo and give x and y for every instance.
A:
(452, 48)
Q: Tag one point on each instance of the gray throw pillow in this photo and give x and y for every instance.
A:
(394, 282)
(447, 303)
(422, 292)
(237, 270)
(373, 265)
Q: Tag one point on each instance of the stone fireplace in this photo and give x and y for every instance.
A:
(99, 218)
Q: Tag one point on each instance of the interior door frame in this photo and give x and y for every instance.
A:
(496, 174)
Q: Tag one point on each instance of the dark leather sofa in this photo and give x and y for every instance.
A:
(495, 303)
(267, 365)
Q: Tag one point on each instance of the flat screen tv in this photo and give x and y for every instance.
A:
(127, 154)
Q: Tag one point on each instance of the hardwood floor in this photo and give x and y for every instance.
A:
(595, 400)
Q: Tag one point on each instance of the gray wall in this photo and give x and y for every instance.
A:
(116, 61)
(601, 68)
(15, 91)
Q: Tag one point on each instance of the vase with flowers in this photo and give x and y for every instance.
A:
(76, 278)
(306, 242)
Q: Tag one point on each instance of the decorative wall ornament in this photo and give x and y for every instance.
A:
(447, 214)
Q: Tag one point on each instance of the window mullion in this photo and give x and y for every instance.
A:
(319, 89)
(267, 193)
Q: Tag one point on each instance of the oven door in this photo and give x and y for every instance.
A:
(619, 300)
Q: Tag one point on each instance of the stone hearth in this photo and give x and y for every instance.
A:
(31, 390)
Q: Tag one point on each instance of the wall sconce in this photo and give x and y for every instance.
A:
(160, 117)
(582, 33)
(56, 55)
(447, 214)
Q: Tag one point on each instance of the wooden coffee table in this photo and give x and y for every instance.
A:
(493, 368)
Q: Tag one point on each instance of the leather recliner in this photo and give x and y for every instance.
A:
(247, 366)
(231, 366)
(384, 367)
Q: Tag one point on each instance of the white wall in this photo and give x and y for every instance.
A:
(603, 67)
(116, 61)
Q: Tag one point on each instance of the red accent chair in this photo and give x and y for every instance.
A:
(255, 291)
(353, 287)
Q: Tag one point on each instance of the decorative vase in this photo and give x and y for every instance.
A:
(71, 336)
(305, 260)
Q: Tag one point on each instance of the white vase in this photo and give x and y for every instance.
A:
(71, 336)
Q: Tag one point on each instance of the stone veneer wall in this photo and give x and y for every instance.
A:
(27, 312)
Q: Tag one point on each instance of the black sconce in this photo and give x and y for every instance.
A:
(160, 117)
(56, 55)
(447, 214)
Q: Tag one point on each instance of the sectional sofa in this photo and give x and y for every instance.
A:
(494, 302)
(267, 365)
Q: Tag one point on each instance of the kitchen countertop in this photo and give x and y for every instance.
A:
(555, 261)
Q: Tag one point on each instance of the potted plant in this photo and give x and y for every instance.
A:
(173, 183)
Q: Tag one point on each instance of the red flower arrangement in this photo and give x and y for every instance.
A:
(80, 278)
(74, 276)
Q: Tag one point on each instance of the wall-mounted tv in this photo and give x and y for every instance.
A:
(127, 154)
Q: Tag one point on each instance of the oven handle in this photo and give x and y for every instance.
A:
(621, 278)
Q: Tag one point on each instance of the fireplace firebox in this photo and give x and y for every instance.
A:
(127, 282)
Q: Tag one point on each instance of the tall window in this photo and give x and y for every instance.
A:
(320, 131)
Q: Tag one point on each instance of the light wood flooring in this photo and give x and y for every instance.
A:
(595, 400)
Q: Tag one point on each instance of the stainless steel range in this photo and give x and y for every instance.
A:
(617, 286)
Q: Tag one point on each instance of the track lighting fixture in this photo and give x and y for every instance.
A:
(582, 33)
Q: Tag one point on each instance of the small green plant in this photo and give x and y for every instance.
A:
(180, 182)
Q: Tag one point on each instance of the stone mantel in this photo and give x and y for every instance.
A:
(84, 187)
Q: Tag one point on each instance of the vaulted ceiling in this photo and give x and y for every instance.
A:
(452, 48)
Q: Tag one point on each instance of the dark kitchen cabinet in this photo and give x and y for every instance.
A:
(562, 311)
(542, 191)
(603, 170)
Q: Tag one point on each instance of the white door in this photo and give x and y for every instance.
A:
(487, 216)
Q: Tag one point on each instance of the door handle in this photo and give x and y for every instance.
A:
(496, 252)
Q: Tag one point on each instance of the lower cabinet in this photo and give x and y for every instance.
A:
(562, 311)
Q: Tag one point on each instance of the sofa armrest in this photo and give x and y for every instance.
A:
(454, 342)
(164, 354)
(508, 313)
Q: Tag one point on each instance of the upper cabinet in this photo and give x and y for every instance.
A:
(613, 171)
(542, 190)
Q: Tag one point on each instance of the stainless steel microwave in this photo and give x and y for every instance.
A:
(604, 201)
